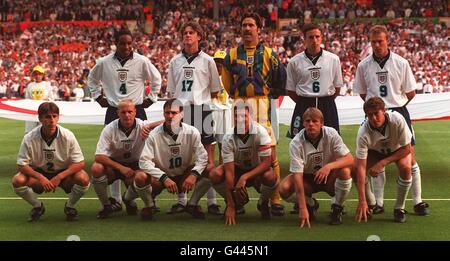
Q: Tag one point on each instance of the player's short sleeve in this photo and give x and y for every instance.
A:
(104, 142)
(297, 164)
(291, 81)
(24, 156)
(170, 78)
(265, 142)
(215, 84)
(409, 81)
(339, 147)
(404, 134)
(362, 147)
(75, 151)
(228, 149)
(359, 85)
(337, 81)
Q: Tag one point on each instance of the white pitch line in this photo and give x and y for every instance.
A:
(170, 199)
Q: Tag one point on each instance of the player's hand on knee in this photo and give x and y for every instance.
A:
(127, 172)
(375, 169)
(46, 184)
(303, 217)
(189, 183)
(241, 186)
(321, 175)
(171, 186)
(362, 211)
(56, 180)
(230, 215)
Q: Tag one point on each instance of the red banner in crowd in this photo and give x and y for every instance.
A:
(11, 27)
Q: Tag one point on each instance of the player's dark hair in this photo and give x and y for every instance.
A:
(241, 104)
(46, 108)
(123, 31)
(195, 26)
(173, 102)
(313, 113)
(310, 26)
(375, 103)
(254, 16)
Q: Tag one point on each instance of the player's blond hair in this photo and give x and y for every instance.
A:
(313, 113)
(378, 29)
(125, 102)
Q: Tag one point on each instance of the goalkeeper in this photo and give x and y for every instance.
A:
(246, 153)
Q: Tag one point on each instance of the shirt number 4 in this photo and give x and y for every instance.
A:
(123, 88)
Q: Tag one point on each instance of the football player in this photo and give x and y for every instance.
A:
(383, 138)
(194, 80)
(387, 75)
(247, 158)
(50, 157)
(117, 158)
(320, 161)
(173, 158)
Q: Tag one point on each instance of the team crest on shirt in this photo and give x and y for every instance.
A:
(317, 160)
(315, 73)
(245, 154)
(175, 151)
(49, 156)
(127, 145)
(382, 77)
(250, 59)
(122, 76)
(188, 72)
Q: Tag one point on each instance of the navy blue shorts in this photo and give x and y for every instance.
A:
(200, 116)
(405, 113)
(326, 105)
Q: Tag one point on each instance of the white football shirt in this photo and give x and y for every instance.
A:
(305, 158)
(124, 82)
(193, 83)
(391, 82)
(245, 153)
(121, 148)
(163, 154)
(397, 135)
(319, 80)
(62, 152)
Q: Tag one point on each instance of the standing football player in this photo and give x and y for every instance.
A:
(193, 79)
(123, 75)
(387, 75)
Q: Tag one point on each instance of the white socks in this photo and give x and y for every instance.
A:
(28, 195)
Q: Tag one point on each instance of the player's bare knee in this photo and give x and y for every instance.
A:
(405, 171)
(345, 173)
(81, 178)
(19, 180)
(140, 179)
(269, 178)
(97, 170)
(216, 175)
(286, 187)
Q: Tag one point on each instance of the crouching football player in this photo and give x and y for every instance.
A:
(50, 157)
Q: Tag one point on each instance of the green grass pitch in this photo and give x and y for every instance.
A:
(432, 153)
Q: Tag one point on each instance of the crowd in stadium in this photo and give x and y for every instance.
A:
(67, 52)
